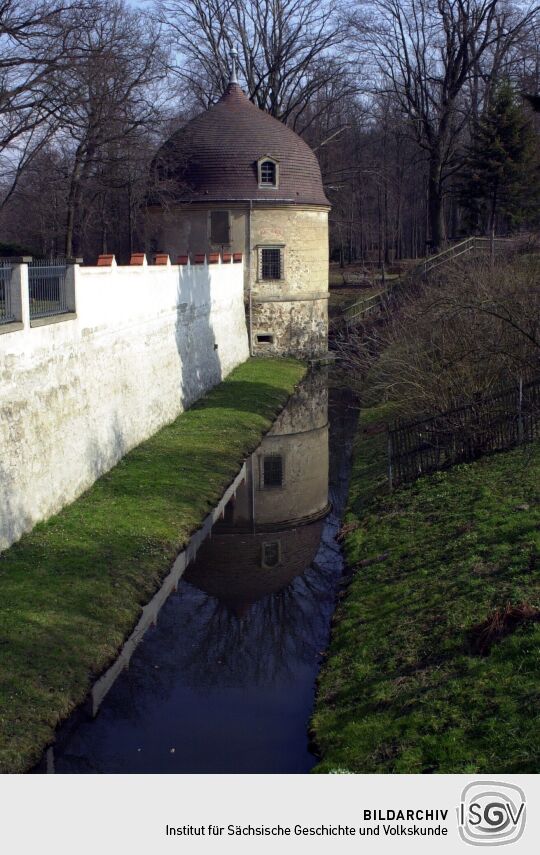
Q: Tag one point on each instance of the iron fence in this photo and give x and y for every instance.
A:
(496, 423)
(47, 287)
(6, 312)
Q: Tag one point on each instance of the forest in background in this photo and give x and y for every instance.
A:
(422, 113)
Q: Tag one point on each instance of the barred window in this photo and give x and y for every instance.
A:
(271, 263)
(268, 173)
(219, 227)
(271, 554)
(273, 471)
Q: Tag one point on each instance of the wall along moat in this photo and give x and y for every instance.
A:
(225, 681)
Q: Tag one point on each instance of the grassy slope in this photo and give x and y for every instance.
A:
(401, 691)
(72, 589)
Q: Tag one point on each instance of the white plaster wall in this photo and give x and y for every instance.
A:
(76, 396)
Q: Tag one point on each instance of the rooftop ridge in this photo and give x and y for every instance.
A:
(234, 92)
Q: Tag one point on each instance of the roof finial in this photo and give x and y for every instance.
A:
(234, 57)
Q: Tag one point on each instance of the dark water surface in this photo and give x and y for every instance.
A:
(226, 681)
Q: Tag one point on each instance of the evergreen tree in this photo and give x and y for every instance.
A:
(501, 177)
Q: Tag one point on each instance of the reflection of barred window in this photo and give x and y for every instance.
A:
(271, 554)
(271, 263)
(273, 471)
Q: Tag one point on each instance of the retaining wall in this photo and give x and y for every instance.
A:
(78, 391)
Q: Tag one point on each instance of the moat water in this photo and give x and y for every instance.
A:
(225, 682)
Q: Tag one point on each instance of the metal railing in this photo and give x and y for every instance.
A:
(47, 287)
(363, 309)
(359, 310)
(469, 246)
(6, 313)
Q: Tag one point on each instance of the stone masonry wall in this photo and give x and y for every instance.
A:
(297, 326)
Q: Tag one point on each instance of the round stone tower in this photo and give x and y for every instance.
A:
(236, 180)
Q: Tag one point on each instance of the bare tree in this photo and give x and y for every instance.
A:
(105, 99)
(452, 339)
(82, 107)
(33, 219)
(287, 50)
(35, 47)
(426, 53)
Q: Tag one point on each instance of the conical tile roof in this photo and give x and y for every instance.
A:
(214, 156)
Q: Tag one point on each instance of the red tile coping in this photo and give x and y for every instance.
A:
(227, 257)
(161, 258)
(199, 258)
(137, 258)
(105, 260)
(213, 258)
(237, 257)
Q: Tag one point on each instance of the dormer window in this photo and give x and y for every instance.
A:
(268, 172)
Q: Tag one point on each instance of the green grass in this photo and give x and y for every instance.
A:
(401, 690)
(72, 589)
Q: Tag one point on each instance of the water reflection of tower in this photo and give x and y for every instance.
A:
(271, 531)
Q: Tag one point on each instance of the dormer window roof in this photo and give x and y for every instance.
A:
(268, 172)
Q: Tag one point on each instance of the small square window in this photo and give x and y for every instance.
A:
(271, 554)
(271, 263)
(273, 471)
